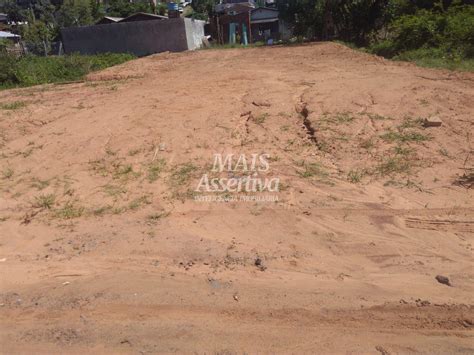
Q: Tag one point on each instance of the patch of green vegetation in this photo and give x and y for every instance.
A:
(183, 195)
(342, 137)
(15, 105)
(100, 211)
(403, 137)
(409, 122)
(344, 117)
(157, 216)
(432, 58)
(182, 173)
(8, 173)
(426, 34)
(260, 119)
(155, 169)
(338, 117)
(375, 116)
(355, 176)
(118, 210)
(323, 146)
(39, 184)
(92, 84)
(138, 202)
(133, 152)
(408, 184)
(44, 201)
(69, 211)
(402, 150)
(114, 190)
(99, 167)
(33, 70)
(367, 143)
(124, 172)
(110, 151)
(394, 165)
(289, 143)
(313, 170)
(431, 37)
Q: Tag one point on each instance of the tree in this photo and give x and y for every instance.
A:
(161, 8)
(75, 13)
(350, 20)
(15, 13)
(125, 8)
(37, 34)
(202, 9)
(97, 10)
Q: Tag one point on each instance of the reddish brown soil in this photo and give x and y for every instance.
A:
(122, 259)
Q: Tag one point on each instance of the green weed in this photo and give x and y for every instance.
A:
(155, 169)
(182, 174)
(260, 119)
(367, 143)
(69, 211)
(138, 202)
(393, 165)
(403, 137)
(157, 216)
(39, 184)
(15, 105)
(8, 173)
(114, 190)
(355, 176)
(44, 201)
(33, 70)
(313, 169)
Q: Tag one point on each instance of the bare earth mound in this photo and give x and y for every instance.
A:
(105, 249)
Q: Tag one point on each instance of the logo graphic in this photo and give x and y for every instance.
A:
(244, 176)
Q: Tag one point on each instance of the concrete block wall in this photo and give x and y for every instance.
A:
(140, 38)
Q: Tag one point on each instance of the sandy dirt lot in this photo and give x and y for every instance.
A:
(105, 249)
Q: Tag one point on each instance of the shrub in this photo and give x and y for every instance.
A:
(444, 35)
(459, 30)
(436, 58)
(385, 48)
(7, 70)
(44, 201)
(415, 31)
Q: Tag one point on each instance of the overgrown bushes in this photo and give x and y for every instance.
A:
(450, 32)
(431, 38)
(33, 70)
(441, 29)
(436, 58)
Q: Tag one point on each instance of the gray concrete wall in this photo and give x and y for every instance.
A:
(285, 30)
(194, 33)
(140, 38)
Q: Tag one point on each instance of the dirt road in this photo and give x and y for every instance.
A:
(106, 247)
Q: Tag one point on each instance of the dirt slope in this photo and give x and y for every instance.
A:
(105, 249)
